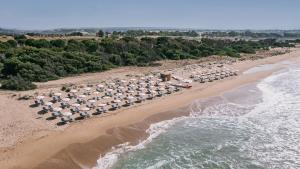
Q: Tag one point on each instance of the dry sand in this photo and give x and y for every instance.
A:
(41, 145)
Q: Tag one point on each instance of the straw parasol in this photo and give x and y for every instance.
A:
(121, 87)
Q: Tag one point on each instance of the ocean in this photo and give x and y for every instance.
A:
(256, 126)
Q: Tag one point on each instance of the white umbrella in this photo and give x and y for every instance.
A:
(141, 88)
(96, 93)
(74, 91)
(57, 94)
(130, 91)
(87, 88)
(142, 83)
(130, 97)
(142, 94)
(161, 89)
(40, 97)
(48, 103)
(112, 84)
(109, 90)
(92, 101)
(131, 85)
(121, 87)
(82, 96)
(117, 101)
(161, 84)
(132, 79)
(101, 105)
(85, 109)
(75, 105)
(100, 85)
(123, 81)
(119, 94)
(57, 109)
(106, 97)
(67, 114)
(66, 99)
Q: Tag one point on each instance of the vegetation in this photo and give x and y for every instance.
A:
(250, 34)
(23, 61)
(135, 33)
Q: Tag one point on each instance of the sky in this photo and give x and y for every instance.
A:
(196, 14)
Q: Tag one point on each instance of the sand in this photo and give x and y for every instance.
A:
(42, 145)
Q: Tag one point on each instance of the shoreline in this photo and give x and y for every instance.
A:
(96, 136)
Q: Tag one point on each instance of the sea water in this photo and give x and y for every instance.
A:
(256, 126)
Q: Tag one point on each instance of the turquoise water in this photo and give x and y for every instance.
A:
(254, 127)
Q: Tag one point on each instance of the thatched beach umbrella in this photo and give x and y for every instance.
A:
(57, 94)
(66, 99)
(75, 105)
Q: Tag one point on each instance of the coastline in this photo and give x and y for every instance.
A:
(81, 144)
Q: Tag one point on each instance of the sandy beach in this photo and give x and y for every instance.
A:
(27, 142)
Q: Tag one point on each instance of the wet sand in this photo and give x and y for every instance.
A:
(81, 144)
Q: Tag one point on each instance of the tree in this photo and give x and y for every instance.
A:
(58, 43)
(101, 33)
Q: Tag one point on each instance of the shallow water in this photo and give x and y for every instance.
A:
(254, 127)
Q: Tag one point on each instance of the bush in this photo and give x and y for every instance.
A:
(17, 83)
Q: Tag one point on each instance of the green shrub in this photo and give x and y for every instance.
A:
(17, 83)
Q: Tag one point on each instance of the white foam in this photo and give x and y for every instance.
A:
(109, 159)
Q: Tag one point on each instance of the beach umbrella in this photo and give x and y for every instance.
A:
(161, 89)
(75, 105)
(57, 109)
(112, 84)
(82, 96)
(40, 97)
(141, 88)
(132, 79)
(73, 91)
(142, 83)
(161, 84)
(67, 114)
(96, 93)
(117, 101)
(119, 94)
(48, 103)
(85, 109)
(87, 88)
(121, 87)
(142, 94)
(130, 91)
(109, 90)
(106, 97)
(102, 105)
(123, 81)
(130, 97)
(57, 94)
(131, 85)
(66, 99)
(100, 85)
(92, 101)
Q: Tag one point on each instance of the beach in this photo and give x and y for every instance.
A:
(81, 144)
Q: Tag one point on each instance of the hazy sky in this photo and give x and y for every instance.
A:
(211, 14)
